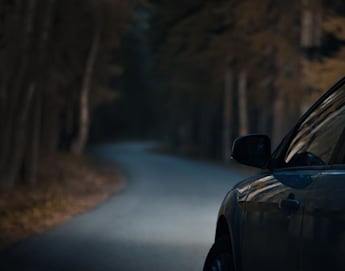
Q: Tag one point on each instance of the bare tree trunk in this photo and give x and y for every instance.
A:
(227, 124)
(81, 140)
(242, 103)
(263, 121)
(307, 29)
(16, 127)
(20, 139)
(40, 81)
(70, 123)
(34, 135)
(279, 115)
(204, 147)
(3, 104)
(311, 32)
(9, 74)
(51, 123)
(185, 136)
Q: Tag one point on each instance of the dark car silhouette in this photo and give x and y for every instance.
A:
(292, 216)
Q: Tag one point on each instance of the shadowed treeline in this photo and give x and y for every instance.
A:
(194, 73)
(55, 65)
(227, 68)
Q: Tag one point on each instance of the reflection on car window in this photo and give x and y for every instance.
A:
(317, 137)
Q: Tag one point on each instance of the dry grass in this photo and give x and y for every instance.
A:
(68, 186)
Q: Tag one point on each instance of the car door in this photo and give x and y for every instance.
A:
(323, 234)
(293, 219)
(273, 221)
(319, 145)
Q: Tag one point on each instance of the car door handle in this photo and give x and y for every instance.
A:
(289, 204)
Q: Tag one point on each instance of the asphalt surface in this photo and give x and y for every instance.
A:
(164, 220)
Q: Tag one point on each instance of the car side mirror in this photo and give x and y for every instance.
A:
(253, 150)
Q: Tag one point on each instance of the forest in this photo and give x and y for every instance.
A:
(56, 58)
(192, 74)
(228, 68)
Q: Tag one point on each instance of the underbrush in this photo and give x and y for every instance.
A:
(67, 185)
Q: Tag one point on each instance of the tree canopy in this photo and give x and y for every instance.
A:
(281, 55)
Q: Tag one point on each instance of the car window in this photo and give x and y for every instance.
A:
(317, 137)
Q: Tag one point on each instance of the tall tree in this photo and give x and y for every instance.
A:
(50, 67)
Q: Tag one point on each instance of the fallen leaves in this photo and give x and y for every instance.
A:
(69, 185)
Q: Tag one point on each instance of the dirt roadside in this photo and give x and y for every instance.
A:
(68, 185)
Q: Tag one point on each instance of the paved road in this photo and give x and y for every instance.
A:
(163, 221)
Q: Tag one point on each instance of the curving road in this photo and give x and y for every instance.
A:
(163, 221)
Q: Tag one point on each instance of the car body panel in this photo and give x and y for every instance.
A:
(323, 235)
(232, 211)
(267, 229)
(260, 228)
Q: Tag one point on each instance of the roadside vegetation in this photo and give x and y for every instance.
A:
(69, 185)
(57, 60)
